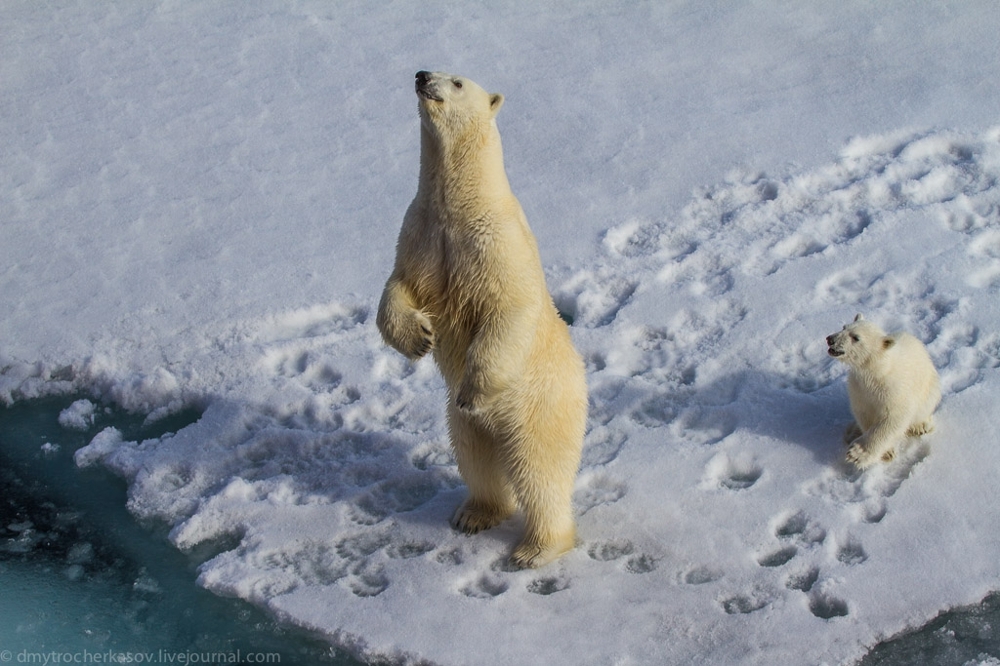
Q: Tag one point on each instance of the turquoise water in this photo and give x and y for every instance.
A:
(80, 578)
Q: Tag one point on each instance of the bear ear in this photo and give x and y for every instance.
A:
(859, 317)
(496, 101)
(888, 342)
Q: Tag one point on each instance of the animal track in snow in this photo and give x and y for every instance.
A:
(407, 549)
(700, 575)
(704, 426)
(616, 550)
(803, 579)
(742, 604)
(800, 528)
(826, 606)
(596, 489)
(315, 322)
(593, 301)
(485, 586)
(777, 558)
(985, 249)
(654, 412)
(726, 472)
(361, 545)
(640, 563)
(601, 446)
(850, 551)
(367, 580)
(313, 562)
(797, 367)
(810, 212)
(548, 585)
(394, 496)
(607, 551)
(435, 453)
(968, 355)
(633, 239)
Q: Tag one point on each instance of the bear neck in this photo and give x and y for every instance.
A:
(873, 365)
(463, 171)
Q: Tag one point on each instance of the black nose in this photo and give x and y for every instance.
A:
(422, 77)
(829, 340)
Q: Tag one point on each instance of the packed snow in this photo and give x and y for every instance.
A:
(201, 202)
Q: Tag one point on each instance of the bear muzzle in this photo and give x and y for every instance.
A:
(426, 86)
(833, 350)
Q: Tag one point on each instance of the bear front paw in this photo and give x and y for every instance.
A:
(424, 340)
(418, 338)
(859, 456)
(922, 428)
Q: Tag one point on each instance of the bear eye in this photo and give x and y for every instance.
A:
(458, 84)
(855, 338)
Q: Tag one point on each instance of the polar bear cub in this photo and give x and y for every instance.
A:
(892, 385)
(468, 286)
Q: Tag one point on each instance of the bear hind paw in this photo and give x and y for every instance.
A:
(531, 554)
(472, 517)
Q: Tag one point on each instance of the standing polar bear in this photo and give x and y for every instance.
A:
(892, 385)
(468, 286)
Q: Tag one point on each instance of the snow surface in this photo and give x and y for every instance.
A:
(200, 204)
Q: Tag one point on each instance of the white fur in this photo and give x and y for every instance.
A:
(893, 388)
(468, 285)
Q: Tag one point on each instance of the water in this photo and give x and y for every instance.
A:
(80, 578)
(968, 636)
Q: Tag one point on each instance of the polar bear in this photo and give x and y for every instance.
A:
(893, 389)
(468, 286)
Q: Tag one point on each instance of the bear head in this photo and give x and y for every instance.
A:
(452, 106)
(858, 342)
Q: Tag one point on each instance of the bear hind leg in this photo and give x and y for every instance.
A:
(544, 490)
(490, 499)
(534, 551)
(852, 433)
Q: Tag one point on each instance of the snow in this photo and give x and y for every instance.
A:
(78, 416)
(200, 207)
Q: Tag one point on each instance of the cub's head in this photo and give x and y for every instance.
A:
(858, 342)
(451, 105)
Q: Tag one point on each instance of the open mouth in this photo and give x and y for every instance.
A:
(426, 92)
(834, 352)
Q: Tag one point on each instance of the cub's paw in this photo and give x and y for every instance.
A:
(859, 456)
(923, 428)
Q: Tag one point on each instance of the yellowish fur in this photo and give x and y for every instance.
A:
(468, 285)
(893, 388)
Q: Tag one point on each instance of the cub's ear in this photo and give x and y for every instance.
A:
(496, 101)
(888, 342)
(859, 317)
